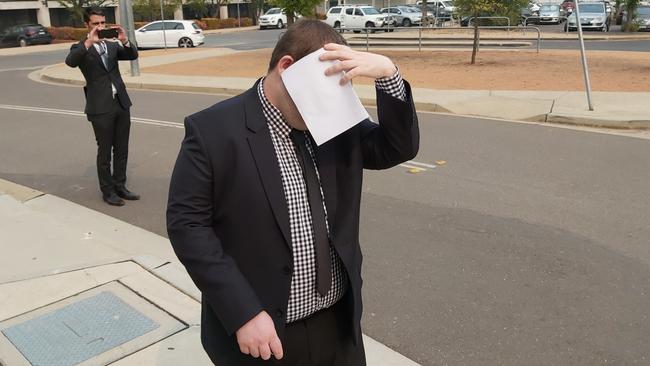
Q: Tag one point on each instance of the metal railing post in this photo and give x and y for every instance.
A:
(420, 39)
(367, 41)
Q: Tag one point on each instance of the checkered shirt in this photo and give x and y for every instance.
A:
(304, 299)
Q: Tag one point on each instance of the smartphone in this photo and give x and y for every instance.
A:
(107, 33)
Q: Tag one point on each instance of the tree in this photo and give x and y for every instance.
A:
(205, 8)
(149, 10)
(302, 7)
(425, 18)
(631, 7)
(78, 7)
(486, 8)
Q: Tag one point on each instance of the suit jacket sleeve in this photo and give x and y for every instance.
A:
(189, 225)
(396, 138)
(127, 53)
(76, 55)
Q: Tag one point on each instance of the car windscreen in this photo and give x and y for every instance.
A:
(370, 11)
(273, 11)
(643, 10)
(591, 8)
(195, 26)
(549, 8)
(447, 4)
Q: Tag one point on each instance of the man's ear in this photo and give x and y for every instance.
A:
(284, 63)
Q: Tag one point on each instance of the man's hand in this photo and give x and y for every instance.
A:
(356, 63)
(258, 338)
(121, 35)
(92, 37)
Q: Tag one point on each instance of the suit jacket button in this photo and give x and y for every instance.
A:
(286, 270)
(279, 313)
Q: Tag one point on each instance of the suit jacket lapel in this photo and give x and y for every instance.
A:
(261, 145)
(93, 51)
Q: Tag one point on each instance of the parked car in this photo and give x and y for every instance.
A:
(441, 8)
(356, 16)
(25, 35)
(593, 15)
(551, 14)
(177, 33)
(642, 18)
(274, 17)
(405, 16)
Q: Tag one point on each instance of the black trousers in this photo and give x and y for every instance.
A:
(323, 339)
(112, 135)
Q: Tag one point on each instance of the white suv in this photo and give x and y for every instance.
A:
(274, 17)
(358, 16)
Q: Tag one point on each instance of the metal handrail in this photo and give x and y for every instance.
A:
(507, 28)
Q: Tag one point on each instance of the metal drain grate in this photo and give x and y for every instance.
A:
(79, 331)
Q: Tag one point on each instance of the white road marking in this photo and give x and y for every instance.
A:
(422, 164)
(145, 121)
(24, 68)
(155, 122)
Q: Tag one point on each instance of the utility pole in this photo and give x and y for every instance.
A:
(126, 16)
(585, 67)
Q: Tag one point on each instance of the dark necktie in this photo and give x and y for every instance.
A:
(321, 240)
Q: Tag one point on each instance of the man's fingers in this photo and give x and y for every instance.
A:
(335, 47)
(350, 75)
(255, 351)
(265, 352)
(341, 66)
(276, 348)
(244, 349)
(337, 55)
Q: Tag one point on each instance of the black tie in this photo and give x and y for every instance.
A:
(321, 241)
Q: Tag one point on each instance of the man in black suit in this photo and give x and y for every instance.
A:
(267, 223)
(107, 102)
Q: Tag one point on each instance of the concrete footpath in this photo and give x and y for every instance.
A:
(621, 110)
(78, 287)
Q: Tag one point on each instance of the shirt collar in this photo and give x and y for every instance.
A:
(274, 117)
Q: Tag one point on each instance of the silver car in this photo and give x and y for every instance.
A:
(593, 15)
(551, 14)
(405, 16)
(642, 19)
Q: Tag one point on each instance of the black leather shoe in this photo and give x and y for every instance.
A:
(112, 199)
(126, 194)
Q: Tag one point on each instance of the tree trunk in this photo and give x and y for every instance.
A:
(425, 18)
(475, 48)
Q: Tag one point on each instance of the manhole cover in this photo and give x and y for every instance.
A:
(88, 327)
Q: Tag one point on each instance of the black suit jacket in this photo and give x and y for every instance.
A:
(228, 220)
(99, 94)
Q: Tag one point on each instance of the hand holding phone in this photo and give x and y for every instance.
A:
(107, 33)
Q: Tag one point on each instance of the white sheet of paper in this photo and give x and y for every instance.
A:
(328, 108)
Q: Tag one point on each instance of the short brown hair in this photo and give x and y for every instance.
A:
(302, 38)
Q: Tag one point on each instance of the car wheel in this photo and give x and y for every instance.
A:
(337, 25)
(406, 22)
(22, 42)
(262, 28)
(370, 25)
(185, 43)
(280, 24)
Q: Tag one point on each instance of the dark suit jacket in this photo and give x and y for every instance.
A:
(228, 220)
(99, 95)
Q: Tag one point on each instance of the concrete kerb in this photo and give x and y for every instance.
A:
(461, 102)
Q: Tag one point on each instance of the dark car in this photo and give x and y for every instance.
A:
(25, 35)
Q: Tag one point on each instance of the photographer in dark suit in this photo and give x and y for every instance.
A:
(267, 223)
(107, 102)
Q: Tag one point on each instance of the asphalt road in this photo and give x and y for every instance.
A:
(528, 245)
